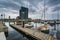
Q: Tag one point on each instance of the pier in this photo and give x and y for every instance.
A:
(2, 36)
(32, 34)
(3, 31)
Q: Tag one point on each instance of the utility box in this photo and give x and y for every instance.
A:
(23, 13)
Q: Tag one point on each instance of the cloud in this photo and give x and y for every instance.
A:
(57, 8)
(36, 7)
(53, 2)
(9, 12)
(8, 4)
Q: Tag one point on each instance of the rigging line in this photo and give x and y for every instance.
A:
(27, 4)
(58, 15)
(44, 9)
(42, 16)
(41, 13)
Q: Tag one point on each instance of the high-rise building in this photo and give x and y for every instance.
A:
(23, 13)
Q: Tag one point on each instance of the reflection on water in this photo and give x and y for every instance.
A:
(55, 33)
(13, 34)
(58, 31)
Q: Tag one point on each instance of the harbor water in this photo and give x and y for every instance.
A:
(13, 34)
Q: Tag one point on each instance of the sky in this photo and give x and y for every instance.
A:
(36, 8)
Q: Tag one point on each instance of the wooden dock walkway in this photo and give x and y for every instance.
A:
(33, 33)
(2, 36)
(3, 31)
(3, 28)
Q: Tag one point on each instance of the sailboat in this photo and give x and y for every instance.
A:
(44, 27)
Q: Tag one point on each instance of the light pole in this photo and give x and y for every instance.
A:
(2, 18)
(9, 20)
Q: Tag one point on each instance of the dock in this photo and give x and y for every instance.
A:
(2, 36)
(3, 31)
(3, 28)
(32, 34)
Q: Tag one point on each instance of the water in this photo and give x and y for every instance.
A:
(13, 34)
(58, 31)
(55, 33)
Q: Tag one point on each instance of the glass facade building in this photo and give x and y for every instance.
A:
(23, 13)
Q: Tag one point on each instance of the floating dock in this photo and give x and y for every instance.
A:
(32, 34)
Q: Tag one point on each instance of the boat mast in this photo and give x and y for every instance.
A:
(44, 9)
(58, 16)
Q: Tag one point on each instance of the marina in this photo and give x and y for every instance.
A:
(29, 20)
(2, 36)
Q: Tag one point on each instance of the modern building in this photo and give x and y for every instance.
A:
(23, 13)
